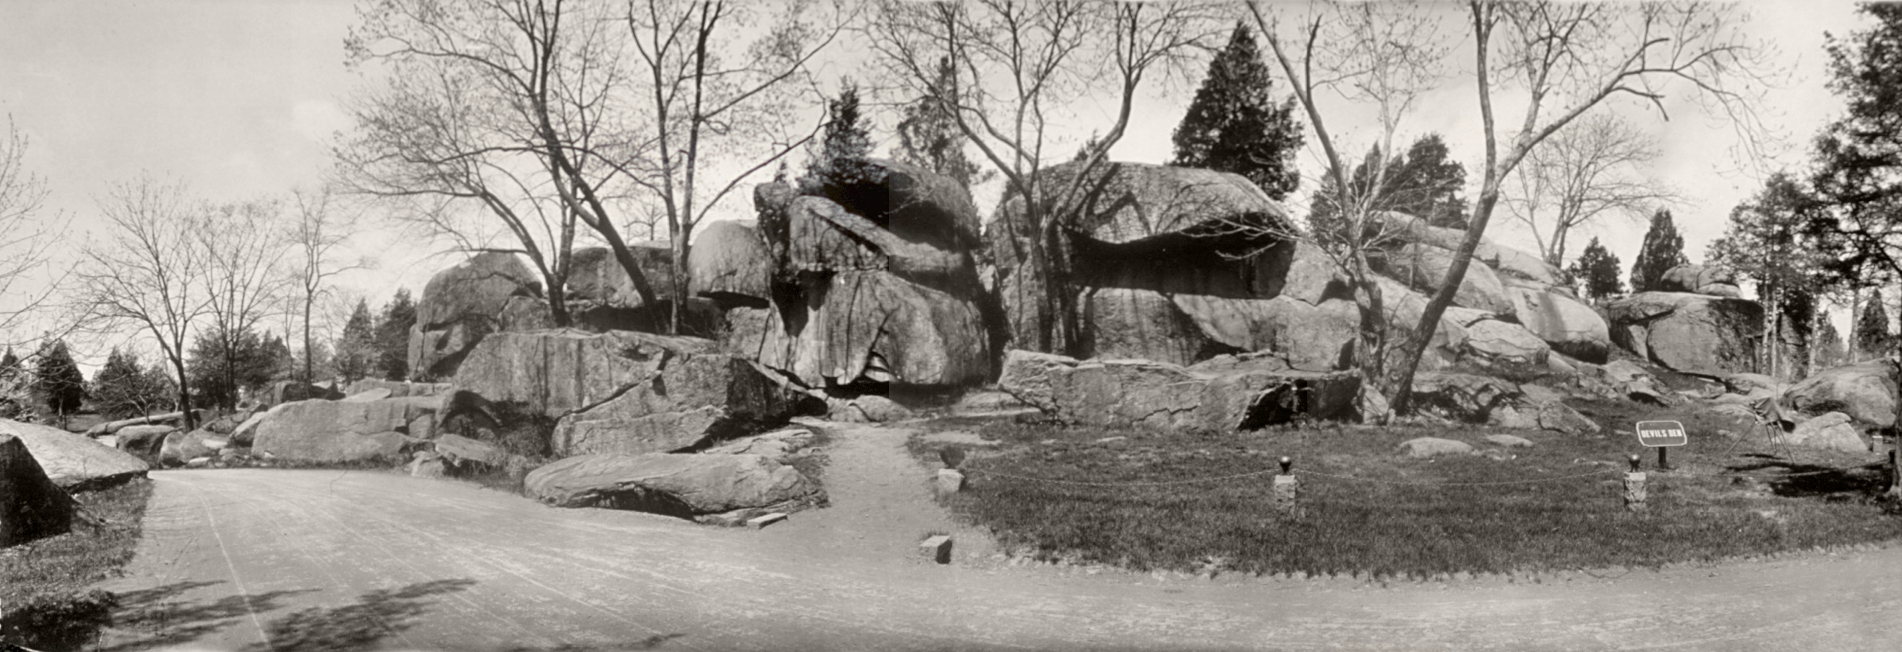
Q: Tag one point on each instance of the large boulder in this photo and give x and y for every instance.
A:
(627, 392)
(1223, 394)
(1422, 266)
(1864, 391)
(143, 442)
(596, 276)
(1689, 332)
(181, 447)
(825, 237)
(1307, 336)
(1515, 265)
(1831, 430)
(871, 326)
(915, 204)
(72, 461)
(731, 263)
(327, 432)
(1567, 325)
(1144, 324)
(460, 306)
(1176, 231)
(1700, 279)
(683, 485)
(1465, 398)
(31, 506)
(1503, 344)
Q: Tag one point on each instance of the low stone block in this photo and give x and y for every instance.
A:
(950, 481)
(936, 549)
(759, 522)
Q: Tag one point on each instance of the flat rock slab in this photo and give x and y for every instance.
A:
(1510, 441)
(31, 506)
(1424, 447)
(1218, 395)
(74, 462)
(674, 484)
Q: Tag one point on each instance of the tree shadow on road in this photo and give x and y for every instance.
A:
(154, 617)
(377, 615)
(650, 643)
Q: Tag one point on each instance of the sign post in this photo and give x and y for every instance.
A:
(1662, 435)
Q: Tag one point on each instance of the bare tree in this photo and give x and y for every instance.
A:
(711, 101)
(1384, 55)
(149, 271)
(242, 247)
(25, 240)
(1014, 66)
(481, 107)
(1565, 59)
(318, 231)
(1591, 169)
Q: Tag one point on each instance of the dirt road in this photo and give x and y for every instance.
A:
(330, 560)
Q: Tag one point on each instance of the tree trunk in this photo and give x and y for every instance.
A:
(1895, 429)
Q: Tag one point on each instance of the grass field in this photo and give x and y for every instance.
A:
(45, 602)
(1556, 505)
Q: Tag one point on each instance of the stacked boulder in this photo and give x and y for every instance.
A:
(863, 288)
(602, 295)
(487, 293)
(621, 391)
(1696, 326)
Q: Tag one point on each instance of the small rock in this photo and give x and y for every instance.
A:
(1432, 446)
(1510, 441)
(759, 522)
(950, 481)
(198, 462)
(936, 549)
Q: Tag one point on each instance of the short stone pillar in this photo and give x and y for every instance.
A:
(1288, 491)
(950, 481)
(1634, 487)
(937, 549)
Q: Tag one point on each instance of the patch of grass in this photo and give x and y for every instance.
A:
(44, 584)
(1557, 505)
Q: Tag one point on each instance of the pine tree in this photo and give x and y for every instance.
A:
(1234, 124)
(58, 381)
(118, 388)
(839, 169)
(1663, 249)
(1872, 329)
(1420, 182)
(357, 354)
(929, 137)
(1829, 346)
(159, 391)
(16, 388)
(220, 377)
(392, 336)
(1597, 269)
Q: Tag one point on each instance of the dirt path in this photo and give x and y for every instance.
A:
(310, 560)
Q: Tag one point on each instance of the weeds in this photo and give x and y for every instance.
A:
(45, 597)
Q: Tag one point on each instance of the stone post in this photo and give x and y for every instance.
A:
(1288, 491)
(1634, 487)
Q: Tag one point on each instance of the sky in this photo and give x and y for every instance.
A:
(240, 100)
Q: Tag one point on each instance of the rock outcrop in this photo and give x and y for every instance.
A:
(460, 306)
(1701, 279)
(682, 485)
(1865, 392)
(1224, 394)
(867, 287)
(31, 506)
(331, 432)
(74, 462)
(1696, 333)
(627, 392)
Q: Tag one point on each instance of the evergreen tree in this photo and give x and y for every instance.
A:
(16, 388)
(838, 169)
(220, 377)
(929, 137)
(1663, 249)
(1830, 351)
(159, 390)
(357, 355)
(1597, 269)
(1422, 183)
(1234, 124)
(1872, 329)
(58, 381)
(118, 388)
(392, 336)
(1858, 170)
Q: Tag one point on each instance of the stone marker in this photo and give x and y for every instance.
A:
(950, 481)
(759, 522)
(937, 549)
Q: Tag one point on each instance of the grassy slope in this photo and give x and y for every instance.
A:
(1385, 513)
(43, 584)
